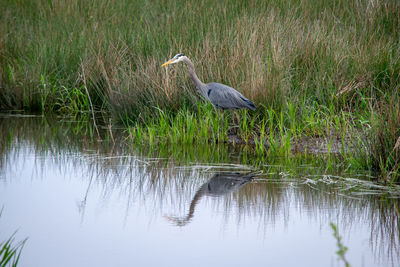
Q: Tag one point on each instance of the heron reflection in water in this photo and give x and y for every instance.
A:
(220, 184)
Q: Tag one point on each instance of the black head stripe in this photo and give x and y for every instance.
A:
(179, 55)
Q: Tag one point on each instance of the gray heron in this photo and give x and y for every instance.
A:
(220, 95)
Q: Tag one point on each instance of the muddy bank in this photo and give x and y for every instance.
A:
(303, 144)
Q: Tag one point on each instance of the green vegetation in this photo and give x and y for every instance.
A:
(315, 69)
(9, 251)
(342, 249)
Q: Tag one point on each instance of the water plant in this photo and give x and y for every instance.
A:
(10, 251)
(342, 249)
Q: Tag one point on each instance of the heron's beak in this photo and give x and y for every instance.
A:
(168, 62)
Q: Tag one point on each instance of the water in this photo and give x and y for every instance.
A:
(97, 203)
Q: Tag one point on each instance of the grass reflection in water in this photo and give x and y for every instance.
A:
(172, 179)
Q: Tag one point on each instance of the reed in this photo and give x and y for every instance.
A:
(319, 67)
(272, 51)
(10, 252)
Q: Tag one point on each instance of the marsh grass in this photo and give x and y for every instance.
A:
(382, 145)
(10, 251)
(266, 132)
(272, 51)
(313, 67)
(185, 127)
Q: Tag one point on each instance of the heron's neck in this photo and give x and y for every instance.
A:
(201, 86)
(185, 220)
(199, 194)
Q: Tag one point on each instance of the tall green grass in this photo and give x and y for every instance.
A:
(10, 252)
(314, 66)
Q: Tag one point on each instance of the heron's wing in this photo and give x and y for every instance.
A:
(223, 183)
(225, 97)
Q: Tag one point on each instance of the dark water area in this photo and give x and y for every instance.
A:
(81, 201)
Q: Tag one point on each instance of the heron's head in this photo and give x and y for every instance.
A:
(177, 58)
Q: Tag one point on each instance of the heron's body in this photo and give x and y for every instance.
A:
(220, 95)
(225, 97)
(220, 184)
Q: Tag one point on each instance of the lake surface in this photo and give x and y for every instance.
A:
(87, 202)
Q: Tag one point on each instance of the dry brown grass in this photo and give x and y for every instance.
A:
(303, 51)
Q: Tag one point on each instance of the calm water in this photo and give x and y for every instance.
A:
(98, 203)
